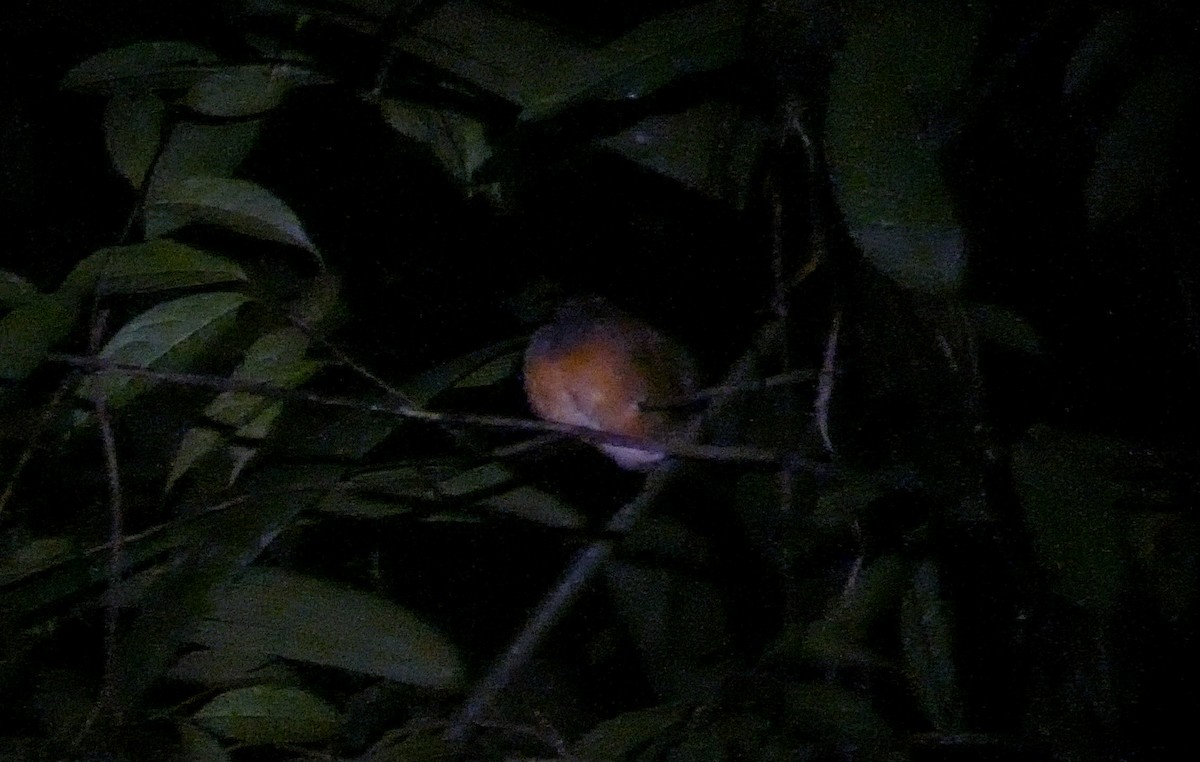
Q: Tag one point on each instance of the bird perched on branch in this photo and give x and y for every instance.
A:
(598, 367)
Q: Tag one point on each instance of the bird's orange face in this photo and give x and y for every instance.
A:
(597, 367)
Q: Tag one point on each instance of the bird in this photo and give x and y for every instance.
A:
(596, 366)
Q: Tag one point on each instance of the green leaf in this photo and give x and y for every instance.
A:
(485, 477)
(278, 358)
(838, 716)
(1007, 329)
(385, 492)
(133, 124)
(893, 90)
(630, 732)
(237, 205)
(321, 304)
(1134, 162)
(417, 741)
(306, 619)
(1070, 494)
(927, 634)
(262, 714)
(695, 39)
(1100, 55)
(29, 331)
(195, 745)
(203, 150)
(167, 336)
(418, 480)
(458, 142)
(532, 504)
(194, 446)
(15, 290)
(427, 385)
(711, 148)
(221, 666)
(544, 72)
(146, 267)
(247, 90)
(840, 637)
(209, 552)
(503, 368)
(33, 557)
(147, 64)
(342, 434)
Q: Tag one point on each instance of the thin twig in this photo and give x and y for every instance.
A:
(678, 448)
(116, 529)
(112, 606)
(825, 382)
(348, 361)
(31, 443)
(579, 573)
(586, 563)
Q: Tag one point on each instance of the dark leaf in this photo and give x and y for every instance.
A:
(145, 64)
(237, 205)
(167, 336)
(631, 732)
(30, 330)
(146, 267)
(213, 550)
(927, 634)
(305, 619)
(1069, 491)
(458, 142)
(263, 714)
(1134, 159)
(248, 90)
(894, 85)
(203, 150)
(133, 125)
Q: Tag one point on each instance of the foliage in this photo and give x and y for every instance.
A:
(286, 546)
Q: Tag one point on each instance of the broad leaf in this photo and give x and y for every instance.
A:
(630, 732)
(1134, 159)
(1070, 494)
(711, 148)
(223, 666)
(170, 336)
(193, 447)
(211, 550)
(538, 506)
(927, 635)
(458, 142)
(838, 716)
(544, 72)
(894, 86)
(29, 331)
(247, 90)
(305, 619)
(33, 557)
(146, 267)
(434, 381)
(278, 358)
(143, 64)
(262, 714)
(203, 150)
(237, 205)
(133, 125)
(15, 290)
(197, 745)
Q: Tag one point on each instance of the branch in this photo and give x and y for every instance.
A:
(678, 448)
